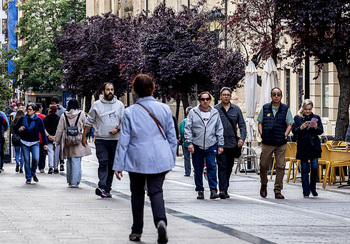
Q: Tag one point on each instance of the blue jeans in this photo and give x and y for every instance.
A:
(198, 164)
(305, 169)
(187, 162)
(18, 153)
(30, 170)
(73, 171)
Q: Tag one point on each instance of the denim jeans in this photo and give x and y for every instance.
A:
(225, 161)
(305, 169)
(73, 171)
(34, 150)
(198, 164)
(105, 151)
(53, 155)
(19, 153)
(187, 161)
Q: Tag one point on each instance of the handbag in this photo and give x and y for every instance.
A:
(237, 151)
(16, 140)
(159, 125)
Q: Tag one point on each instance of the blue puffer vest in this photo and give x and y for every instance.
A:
(273, 128)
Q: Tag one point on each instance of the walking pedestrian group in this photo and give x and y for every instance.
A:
(143, 141)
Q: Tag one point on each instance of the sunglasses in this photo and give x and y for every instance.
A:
(205, 99)
(276, 94)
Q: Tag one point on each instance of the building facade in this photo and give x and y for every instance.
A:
(324, 91)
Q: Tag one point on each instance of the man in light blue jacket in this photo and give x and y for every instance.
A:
(204, 135)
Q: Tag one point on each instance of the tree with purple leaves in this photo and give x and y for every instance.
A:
(321, 28)
(89, 57)
(257, 26)
(180, 53)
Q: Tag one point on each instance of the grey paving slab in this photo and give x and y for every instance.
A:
(50, 212)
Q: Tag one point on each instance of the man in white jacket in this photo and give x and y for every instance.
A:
(105, 116)
(204, 135)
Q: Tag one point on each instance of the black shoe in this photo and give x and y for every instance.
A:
(200, 195)
(222, 194)
(35, 178)
(28, 182)
(17, 167)
(314, 193)
(62, 167)
(100, 192)
(50, 171)
(135, 237)
(109, 195)
(214, 194)
(162, 232)
(279, 196)
(56, 171)
(21, 171)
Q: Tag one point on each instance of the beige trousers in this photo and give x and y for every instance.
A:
(265, 161)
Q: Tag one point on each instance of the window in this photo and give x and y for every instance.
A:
(288, 87)
(325, 91)
(301, 90)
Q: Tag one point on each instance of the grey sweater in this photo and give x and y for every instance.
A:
(105, 116)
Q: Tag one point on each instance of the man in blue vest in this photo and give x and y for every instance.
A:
(275, 122)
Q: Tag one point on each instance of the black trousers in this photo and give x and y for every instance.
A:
(225, 162)
(42, 157)
(105, 151)
(154, 183)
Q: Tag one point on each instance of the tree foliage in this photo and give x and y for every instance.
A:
(321, 28)
(89, 57)
(257, 25)
(38, 64)
(5, 89)
(179, 52)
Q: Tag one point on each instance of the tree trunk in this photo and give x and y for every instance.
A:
(177, 108)
(88, 103)
(344, 100)
(185, 103)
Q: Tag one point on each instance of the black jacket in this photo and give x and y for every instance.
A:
(309, 144)
(51, 123)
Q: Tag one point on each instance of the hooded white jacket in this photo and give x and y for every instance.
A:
(105, 116)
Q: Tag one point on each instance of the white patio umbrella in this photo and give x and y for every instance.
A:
(251, 98)
(269, 81)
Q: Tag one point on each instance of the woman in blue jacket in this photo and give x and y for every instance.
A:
(147, 150)
(29, 127)
(308, 126)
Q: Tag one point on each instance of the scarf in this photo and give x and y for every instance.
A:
(31, 124)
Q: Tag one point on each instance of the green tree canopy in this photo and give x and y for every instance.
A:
(38, 64)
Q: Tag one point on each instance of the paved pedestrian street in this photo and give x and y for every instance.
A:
(50, 212)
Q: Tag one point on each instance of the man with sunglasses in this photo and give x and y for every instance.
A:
(204, 135)
(275, 122)
(231, 117)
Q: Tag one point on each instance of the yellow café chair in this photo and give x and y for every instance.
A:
(336, 158)
(292, 146)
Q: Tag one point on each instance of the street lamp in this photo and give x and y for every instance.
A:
(215, 18)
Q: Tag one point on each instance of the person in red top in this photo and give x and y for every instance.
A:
(42, 154)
